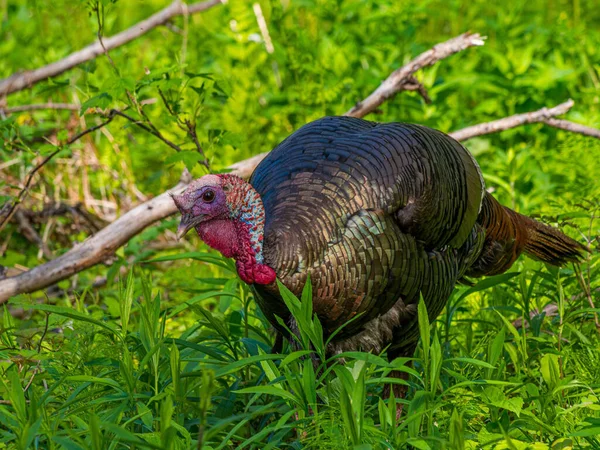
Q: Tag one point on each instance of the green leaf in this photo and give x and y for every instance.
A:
(95, 380)
(475, 362)
(199, 298)
(67, 312)
(550, 369)
(268, 390)
(101, 101)
(496, 397)
(209, 258)
(424, 331)
(237, 365)
(190, 158)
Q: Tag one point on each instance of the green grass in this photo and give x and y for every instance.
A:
(172, 350)
(90, 379)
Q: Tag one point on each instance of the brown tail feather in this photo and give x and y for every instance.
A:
(548, 244)
(508, 234)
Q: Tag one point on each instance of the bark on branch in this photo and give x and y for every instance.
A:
(402, 78)
(541, 115)
(573, 127)
(93, 250)
(22, 80)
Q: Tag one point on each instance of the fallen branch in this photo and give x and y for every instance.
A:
(541, 115)
(573, 127)
(31, 235)
(402, 78)
(22, 80)
(7, 215)
(95, 249)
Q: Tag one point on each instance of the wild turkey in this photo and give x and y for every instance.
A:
(376, 213)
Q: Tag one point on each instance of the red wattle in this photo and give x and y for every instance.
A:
(232, 239)
(264, 274)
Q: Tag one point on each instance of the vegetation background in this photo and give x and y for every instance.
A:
(162, 346)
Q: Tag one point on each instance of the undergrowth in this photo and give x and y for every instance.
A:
(485, 375)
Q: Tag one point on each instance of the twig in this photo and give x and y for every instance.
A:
(99, 9)
(35, 372)
(7, 216)
(93, 250)
(540, 115)
(264, 29)
(150, 129)
(22, 80)
(588, 294)
(412, 84)
(185, 125)
(247, 166)
(402, 78)
(31, 235)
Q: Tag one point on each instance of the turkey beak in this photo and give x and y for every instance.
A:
(188, 221)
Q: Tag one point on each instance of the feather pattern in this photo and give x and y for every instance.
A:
(379, 214)
(357, 205)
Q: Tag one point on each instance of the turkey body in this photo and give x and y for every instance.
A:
(377, 215)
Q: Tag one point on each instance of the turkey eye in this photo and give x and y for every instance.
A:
(208, 196)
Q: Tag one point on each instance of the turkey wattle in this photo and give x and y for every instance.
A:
(376, 214)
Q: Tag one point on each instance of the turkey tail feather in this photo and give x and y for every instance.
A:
(508, 234)
(548, 244)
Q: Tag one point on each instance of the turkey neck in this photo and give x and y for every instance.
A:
(250, 214)
(240, 236)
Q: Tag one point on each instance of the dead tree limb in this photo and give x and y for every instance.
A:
(6, 214)
(31, 235)
(93, 250)
(545, 115)
(402, 78)
(22, 80)
(573, 127)
(541, 115)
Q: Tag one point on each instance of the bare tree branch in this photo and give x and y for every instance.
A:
(246, 167)
(93, 250)
(22, 80)
(150, 129)
(540, 115)
(402, 78)
(31, 235)
(573, 127)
